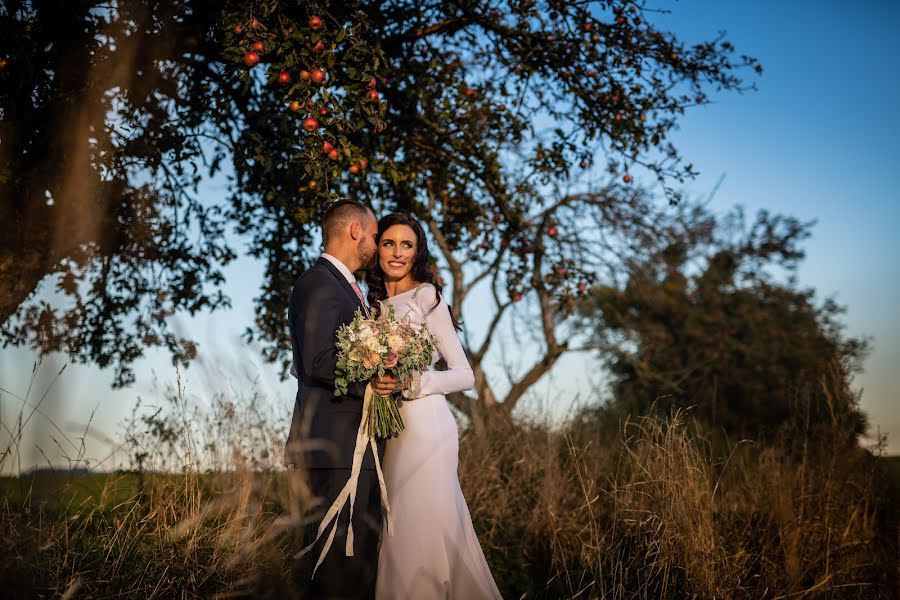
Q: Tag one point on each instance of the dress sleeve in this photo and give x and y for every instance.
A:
(458, 377)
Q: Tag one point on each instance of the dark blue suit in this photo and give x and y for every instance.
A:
(323, 431)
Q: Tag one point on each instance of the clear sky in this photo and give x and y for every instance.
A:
(818, 140)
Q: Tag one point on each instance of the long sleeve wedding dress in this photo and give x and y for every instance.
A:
(434, 552)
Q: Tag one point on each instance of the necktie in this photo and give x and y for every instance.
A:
(360, 296)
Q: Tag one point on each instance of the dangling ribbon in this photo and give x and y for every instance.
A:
(349, 490)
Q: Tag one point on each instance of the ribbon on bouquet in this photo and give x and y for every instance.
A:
(363, 435)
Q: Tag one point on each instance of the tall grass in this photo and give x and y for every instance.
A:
(652, 507)
(654, 511)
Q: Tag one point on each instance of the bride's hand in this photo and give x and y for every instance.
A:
(385, 386)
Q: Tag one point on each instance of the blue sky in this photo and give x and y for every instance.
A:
(818, 140)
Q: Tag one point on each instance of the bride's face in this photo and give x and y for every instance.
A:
(396, 251)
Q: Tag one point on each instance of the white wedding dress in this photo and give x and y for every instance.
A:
(434, 552)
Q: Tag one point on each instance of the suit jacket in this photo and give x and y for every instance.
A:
(323, 426)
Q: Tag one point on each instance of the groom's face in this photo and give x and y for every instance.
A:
(367, 247)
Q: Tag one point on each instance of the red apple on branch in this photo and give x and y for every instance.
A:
(627, 179)
(316, 23)
(254, 23)
(327, 147)
(317, 76)
(251, 59)
(294, 105)
(354, 169)
(372, 95)
(317, 48)
(258, 46)
(333, 154)
(284, 77)
(310, 124)
(304, 74)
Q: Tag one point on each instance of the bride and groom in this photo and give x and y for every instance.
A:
(434, 551)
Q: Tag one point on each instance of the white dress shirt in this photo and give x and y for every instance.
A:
(340, 267)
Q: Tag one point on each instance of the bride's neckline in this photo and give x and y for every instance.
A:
(412, 289)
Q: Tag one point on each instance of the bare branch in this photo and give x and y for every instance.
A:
(492, 268)
(447, 27)
(538, 370)
(455, 266)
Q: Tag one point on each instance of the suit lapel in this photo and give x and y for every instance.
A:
(342, 281)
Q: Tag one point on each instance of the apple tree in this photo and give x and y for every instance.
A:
(111, 116)
(515, 130)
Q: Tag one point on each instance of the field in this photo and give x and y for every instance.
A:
(645, 509)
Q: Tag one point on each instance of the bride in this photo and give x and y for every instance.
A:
(434, 552)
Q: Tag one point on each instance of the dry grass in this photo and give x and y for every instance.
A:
(650, 508)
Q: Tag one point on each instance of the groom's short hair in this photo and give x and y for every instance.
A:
(338, 216)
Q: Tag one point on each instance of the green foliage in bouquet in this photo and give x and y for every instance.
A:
(379, 346)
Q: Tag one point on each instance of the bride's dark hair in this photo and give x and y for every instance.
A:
(423, 267)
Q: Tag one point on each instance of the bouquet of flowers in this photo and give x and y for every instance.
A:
(369, 347)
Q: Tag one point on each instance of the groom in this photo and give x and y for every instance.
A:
(324, 426)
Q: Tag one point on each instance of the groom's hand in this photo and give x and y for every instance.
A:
(384, 386)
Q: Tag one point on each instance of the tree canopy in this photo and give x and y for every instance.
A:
(714, 321)
(505, 126)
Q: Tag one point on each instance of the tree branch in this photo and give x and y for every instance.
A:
(538, 370)
(492, 268)
(492, 328)
(455, 266)
(447, 26)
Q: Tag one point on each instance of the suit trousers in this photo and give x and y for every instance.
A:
(339, 576)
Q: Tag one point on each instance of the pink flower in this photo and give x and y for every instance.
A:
(392, 360)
